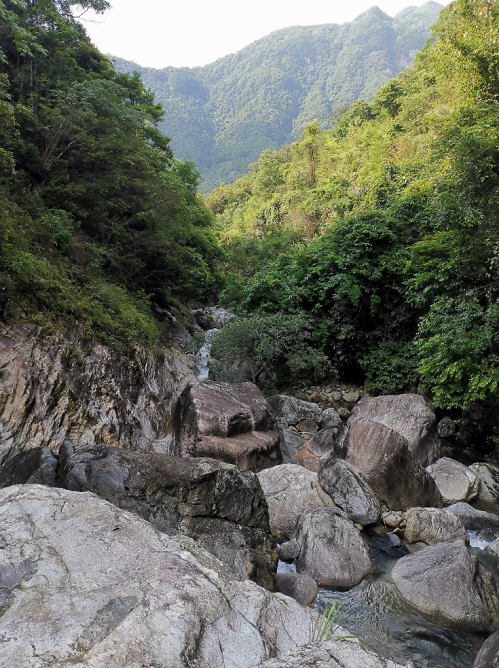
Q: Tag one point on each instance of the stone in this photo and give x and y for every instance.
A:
(408, 415)
(351, 397)
(331, 420)
(291, 442)
(337, 396)
(289, 551)
(454, 480)
(383, 459)
(87, 585)
(330, 654)
(219, 505)
(488, 656)
(230, 422)
(56, 388)
(332, 550)
(290, 490)
(488, 482)
(445, 584)
(432, 525)
(292, 410)
(343, 412)
(490, 554)
(37, 465)
(446, 428)
(349, 492)
(307, 426)
(300, 587)
(474, 519)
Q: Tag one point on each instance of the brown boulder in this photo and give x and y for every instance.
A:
(384, 461)
(229, 422)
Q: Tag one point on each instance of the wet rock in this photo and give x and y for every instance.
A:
(289, 551)
(55, 389)
(332, 550)
(349, 492)
(432, 525)
(217, 504)
(331, 654)
(37, 465)
(383, 459)
(446, 427)
(488, 481)
(300, 587)
(455, 481)
(290, 490)
(292, 410)
(109, 590)
(445, 583)
(488, 656)
(474, 519)
(230, 422)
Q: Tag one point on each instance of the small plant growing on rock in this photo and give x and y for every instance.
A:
(326, 625)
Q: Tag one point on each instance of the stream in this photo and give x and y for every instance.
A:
(378, 615)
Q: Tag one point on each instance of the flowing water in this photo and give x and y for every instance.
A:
(203, 357)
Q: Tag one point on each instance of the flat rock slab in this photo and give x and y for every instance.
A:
(230, 422)
(433, 525)
(444, 583)
(290, 490)
(455, 481)
(383, 459)
(218, 504)
(87, 585)
(332, 550)
(410, 416)
(330, 654)
(349, 492)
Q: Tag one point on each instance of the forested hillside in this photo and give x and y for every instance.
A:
(377, 241)
(223, 115)
(98, 220)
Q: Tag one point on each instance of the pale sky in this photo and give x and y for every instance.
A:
(156, 33)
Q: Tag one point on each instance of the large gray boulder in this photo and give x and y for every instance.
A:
(290, 490)
(331, 654)
(219, 505)
(300, 587)
(433, 525)
(85, 584)
(292, 411)
(332, 550)
(445, 584)
(230, 422)
(488, 481)
(291, 442)
(473, 519)
(488, 656)
(349, 492)
(455, 481)
(383, 459)
(408, 415)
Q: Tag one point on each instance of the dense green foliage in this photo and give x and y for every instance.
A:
(223, 115)
(386, 226)
(98, 220)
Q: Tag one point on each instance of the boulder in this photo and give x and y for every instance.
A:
(408, 415)
(332, 550)
(289, 551)
(85, 584)
(490, 554)
(217, 504)
(330, 654)
(37, 465)
(230, 422)
(290, 490)
(488, 481)
(291, 411)
(331, 420)
(474, 519)
(349, 492)
(325, 442)
(446, 427)
(488, 656)
(383, 459)
(300, 587)
(291, 442)
(455, 481)
(432, 525)
(445, 584)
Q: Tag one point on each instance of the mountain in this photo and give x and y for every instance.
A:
(223, 115)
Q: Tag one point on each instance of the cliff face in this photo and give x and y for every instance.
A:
(55, 389)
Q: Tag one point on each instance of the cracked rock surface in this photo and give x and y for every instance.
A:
(84, 584)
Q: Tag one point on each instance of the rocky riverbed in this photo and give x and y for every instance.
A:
(145, 512)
